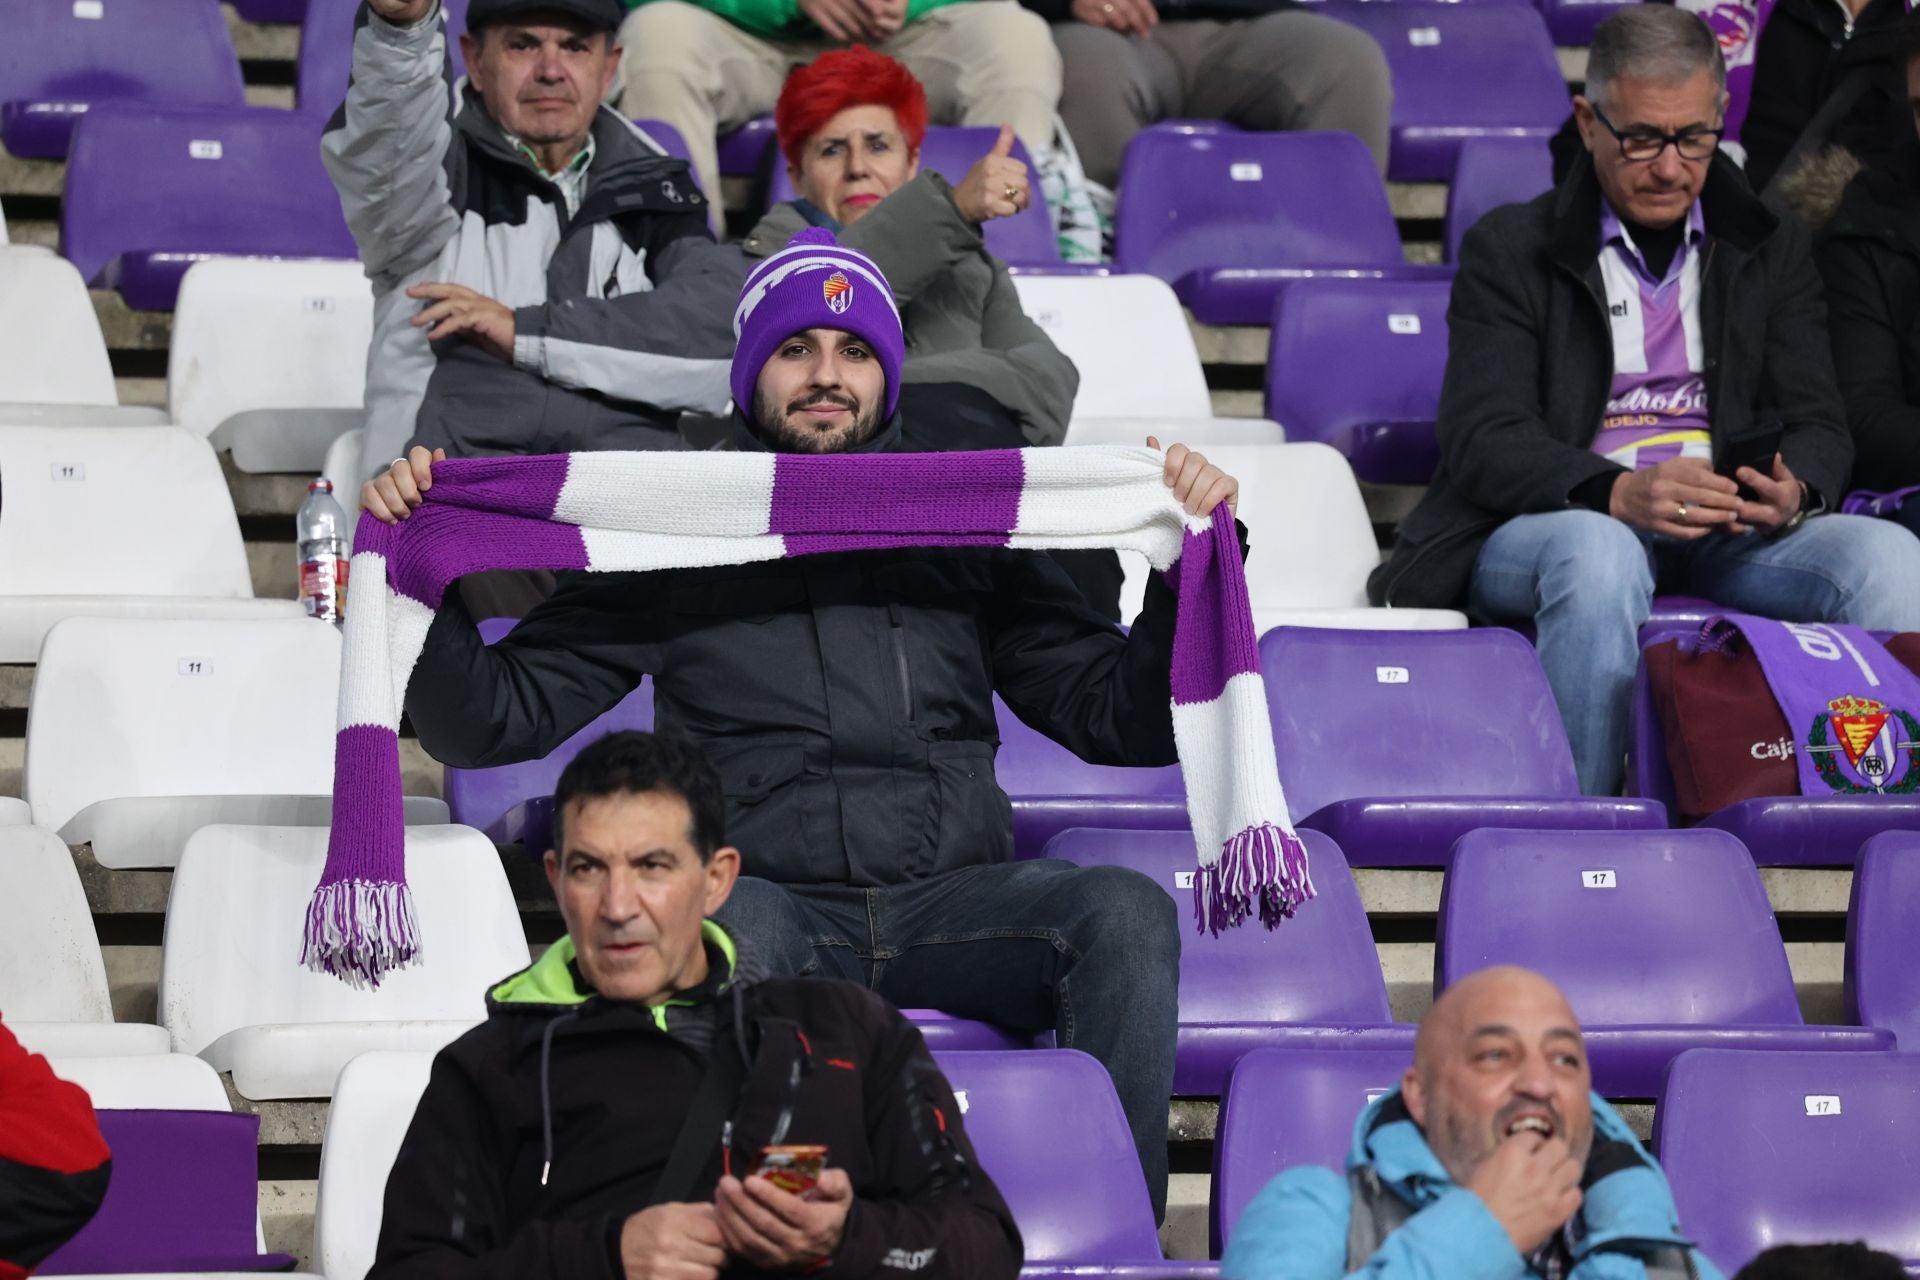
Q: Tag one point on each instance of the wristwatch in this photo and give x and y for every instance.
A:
(1799, 517)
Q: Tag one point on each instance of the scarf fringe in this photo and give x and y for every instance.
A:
(1263, 867)
(361, 930)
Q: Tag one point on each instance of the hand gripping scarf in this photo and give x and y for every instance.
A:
(627, 512)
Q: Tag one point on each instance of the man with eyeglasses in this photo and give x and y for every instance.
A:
(1639, 397)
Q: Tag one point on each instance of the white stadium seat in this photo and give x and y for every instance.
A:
(13, 811)
(1312, 544)
(1139, 372)
(343, 468)
(3, 226)
(82, 415)
(54, 351)
(232, 988)
(116, 521)
(269, 357)
(53, 983)
(154, 1082)
(372, 1106)
(211, 721)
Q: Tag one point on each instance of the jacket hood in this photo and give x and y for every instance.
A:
(1626, 1197)
(1733, 212)
(747, 440)
(549, 985)
(1883, 203)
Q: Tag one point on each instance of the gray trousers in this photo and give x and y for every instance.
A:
(983, 62)
(1290, 70)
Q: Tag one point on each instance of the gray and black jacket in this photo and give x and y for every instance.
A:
(622, 310)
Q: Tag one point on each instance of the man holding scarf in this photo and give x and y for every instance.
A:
(846, 698)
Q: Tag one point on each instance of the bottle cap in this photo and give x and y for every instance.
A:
(323, 485)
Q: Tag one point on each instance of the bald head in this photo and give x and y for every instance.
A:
(1499, 1055)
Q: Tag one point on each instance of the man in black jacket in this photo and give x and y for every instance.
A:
(1869, 255)
(1639, 395)
(847, 700)
(604, 1122)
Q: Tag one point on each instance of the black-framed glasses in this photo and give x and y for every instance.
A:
(1647, 144)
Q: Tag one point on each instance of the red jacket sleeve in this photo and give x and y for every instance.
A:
(54, 1165)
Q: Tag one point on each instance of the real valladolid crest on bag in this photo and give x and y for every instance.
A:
(1756, 707)
(632, 512)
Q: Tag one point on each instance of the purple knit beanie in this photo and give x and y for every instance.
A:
(814, 283)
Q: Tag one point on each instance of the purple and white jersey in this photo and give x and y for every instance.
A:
(1658, 405)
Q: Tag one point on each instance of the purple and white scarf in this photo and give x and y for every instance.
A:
(1850, 706)
(628, 512)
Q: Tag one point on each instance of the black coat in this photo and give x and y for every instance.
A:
(846, 698)
(480, 1192)
(1805, 54)
(1869, 255)
(1530, 366)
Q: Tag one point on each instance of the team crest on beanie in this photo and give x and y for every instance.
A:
(839, 293)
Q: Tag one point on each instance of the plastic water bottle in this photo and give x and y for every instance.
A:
(323, 554)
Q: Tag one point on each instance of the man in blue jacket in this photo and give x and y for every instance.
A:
(1493, 1160)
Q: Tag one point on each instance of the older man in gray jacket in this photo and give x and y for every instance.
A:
(544, 278)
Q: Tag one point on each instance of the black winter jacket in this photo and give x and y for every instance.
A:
(543, 1129)
(846, 698)
(1530, 365)
(1869, 255)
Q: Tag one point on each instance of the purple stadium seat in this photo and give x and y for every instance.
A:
(1780, 1148)
(1779, 831)
(326, 51)
(1312, 983)
(1395, 743)
(60, 58)
(1357, 364)
(1048, 1127)
(1662, 941)
(1024, 240)
(1289, 1107)
(184, 1197)
(1460, 71)
(747, 151)
(152, 190)
(1571, 22)
(1883, 961)
(1053, 789)
(1492, 171)
(666, 136)
(1225, 216)
(271, 10)
(513, 803)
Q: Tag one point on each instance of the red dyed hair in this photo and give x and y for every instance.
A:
(842, 78)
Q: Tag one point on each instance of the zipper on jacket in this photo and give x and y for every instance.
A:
(897, 630)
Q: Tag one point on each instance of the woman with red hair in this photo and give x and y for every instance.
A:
(978, 374)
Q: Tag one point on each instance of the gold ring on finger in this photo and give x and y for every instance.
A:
(1013, 195)
(1683, 513)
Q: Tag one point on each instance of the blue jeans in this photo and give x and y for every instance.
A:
(1089, 953)
(1588, 582)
